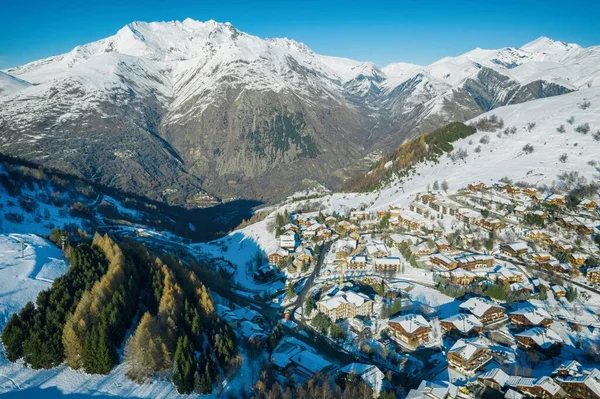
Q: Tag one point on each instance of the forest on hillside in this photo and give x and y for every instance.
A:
(110, 288)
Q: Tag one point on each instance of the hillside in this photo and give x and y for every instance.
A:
(190, 112)
(528, 148)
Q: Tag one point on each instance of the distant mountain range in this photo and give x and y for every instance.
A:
(189, 112)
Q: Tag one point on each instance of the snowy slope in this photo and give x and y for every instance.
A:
(23, 277)
(10, 85)
(504, 156)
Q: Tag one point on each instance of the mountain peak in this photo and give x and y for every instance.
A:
(544, 44)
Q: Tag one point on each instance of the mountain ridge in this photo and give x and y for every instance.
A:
(188, 110)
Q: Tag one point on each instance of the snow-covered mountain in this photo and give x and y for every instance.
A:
(171, 109)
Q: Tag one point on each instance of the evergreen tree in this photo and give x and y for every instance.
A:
(184, 366)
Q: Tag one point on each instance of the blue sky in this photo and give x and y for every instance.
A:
(379, 31)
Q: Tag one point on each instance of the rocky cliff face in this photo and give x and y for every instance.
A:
(188, 112)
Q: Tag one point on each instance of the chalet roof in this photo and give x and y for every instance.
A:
(543, 337)
(433, 390)
(466, 348)
(443, 258)
(342, 297)
(516, 246)
(388, 260)
(370, 374)
(464, 322)
(534, 315)
(497, 375)
(344, 244)
(479, 306)
(410, 322)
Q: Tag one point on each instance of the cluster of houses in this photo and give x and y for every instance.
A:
(442, 235)
(570, 380)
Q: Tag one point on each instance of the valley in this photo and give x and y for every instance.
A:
(188, 210)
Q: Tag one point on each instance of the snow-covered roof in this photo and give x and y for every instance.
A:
(464, 322)
(517, 246)
(478, 305)
(543, 337)
(370, 374)
(341, 297)
(433, 390)
(410, 322)
(310, 361)
(388, 260)
(497, 375)
(535, 315)
(466, 348)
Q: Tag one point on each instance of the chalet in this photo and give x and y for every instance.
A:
(468, 355)
(468, 216)
(540, 284)
(593, 275)
(427, 198)
(344, 246)
(539, 257)
(287, 241)
(461, 277)
(304, 255)
(520, 210)
(559, 291)
(530, 317)
(443, 261)
(420, 250)
(495, 378)
(512, 190)
(377, 249)
(544, 387)
(577, 259)
(360, 215)
(370, 375)
(536, 234)
(465, 325)
(520, 288)
(394, 210)
(561, 246)
(578, 382)
(505, 275)
(530, 192)
(490, 225)
(588, 204)
(324, 234)
(515, 249)
(442, 245)
(541, 214)
(391, 263)
(343, 225)
(345, 304)
(485, 310)
(289, 227)
(475, 261)
(435, 390)
(277, 257)
(543, 340)
(357, 262)
(330, 221)
(553, 265)
(556, 199)
(476, 187)
(411, 329)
